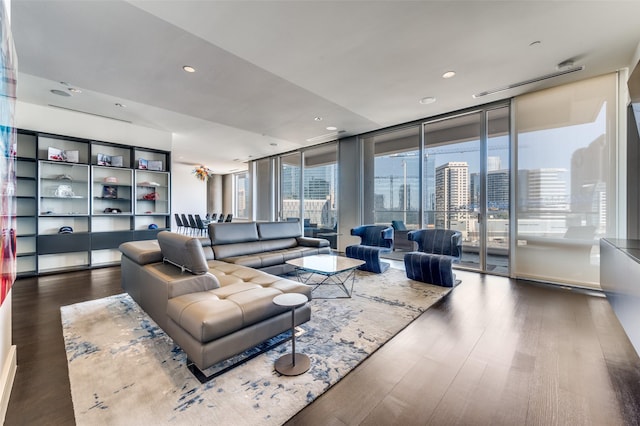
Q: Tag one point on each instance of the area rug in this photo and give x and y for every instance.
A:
(124, 370)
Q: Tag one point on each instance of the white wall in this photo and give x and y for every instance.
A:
(188, 194)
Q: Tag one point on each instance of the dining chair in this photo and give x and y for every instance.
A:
(200, 225)
(192, 224)
(229, 217)
(185, 223)
(180, 228)
(221, 218)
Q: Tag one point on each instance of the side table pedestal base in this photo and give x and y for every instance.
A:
(285, 366)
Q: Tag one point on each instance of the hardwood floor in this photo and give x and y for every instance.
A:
(495, 351)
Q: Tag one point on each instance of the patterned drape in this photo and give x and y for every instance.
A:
(8, 81)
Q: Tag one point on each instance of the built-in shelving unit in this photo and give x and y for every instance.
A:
(103, 192)
(26, 204)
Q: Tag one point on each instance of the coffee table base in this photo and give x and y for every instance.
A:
(285, 366)
(339, 279)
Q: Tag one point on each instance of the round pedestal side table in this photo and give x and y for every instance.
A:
(292, 364)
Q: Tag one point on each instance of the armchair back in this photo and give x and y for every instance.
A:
(438, 241)
(374, 235)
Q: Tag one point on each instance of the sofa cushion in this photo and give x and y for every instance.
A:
(183, 251)
(222, 251)
(277, 230)
(257, 304)
(205, 316)
(279, 244)
(230, 233)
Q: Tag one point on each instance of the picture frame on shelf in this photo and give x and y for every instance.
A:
(117, 161)
(143, 164)
(154, 165)
(57, 154)
(72, 156)
(104, 160)
(109, 191)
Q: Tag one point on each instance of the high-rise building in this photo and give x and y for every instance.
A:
(498, 190)
(452, 193)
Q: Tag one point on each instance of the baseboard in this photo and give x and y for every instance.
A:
(8, 374)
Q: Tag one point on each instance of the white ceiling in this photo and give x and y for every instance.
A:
(266, 69)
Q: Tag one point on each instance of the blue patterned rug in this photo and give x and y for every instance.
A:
(124, 370)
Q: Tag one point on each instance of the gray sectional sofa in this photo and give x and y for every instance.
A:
(263, 245)
(214, 309)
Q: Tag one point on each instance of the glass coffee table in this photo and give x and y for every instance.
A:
(335, 271)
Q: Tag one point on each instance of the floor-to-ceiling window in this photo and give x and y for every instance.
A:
(241, 195)
(566, 180)
(320, 189)
(394, 184)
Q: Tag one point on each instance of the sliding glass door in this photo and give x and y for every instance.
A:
(466, 184)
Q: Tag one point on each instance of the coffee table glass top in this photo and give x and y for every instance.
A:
(325, 263)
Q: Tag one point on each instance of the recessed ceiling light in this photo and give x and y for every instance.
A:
(448, 74)
(119, 105)
(332, 128)
(318, 118)
(428, 100)
(535, 43)
(74, 90)
(189, 68)
(273, 144)
(60, 92)
(64, 83)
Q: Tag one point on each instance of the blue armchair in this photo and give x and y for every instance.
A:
(374, 239)
(438, 249)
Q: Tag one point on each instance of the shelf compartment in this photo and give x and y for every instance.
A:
(26, 265)
(25, 245)
(49, 225)
(63, 188)
(106, 257)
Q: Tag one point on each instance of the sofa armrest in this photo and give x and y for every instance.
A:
(312, 242)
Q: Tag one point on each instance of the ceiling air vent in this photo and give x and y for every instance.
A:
(533, 80)
(326, 137)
